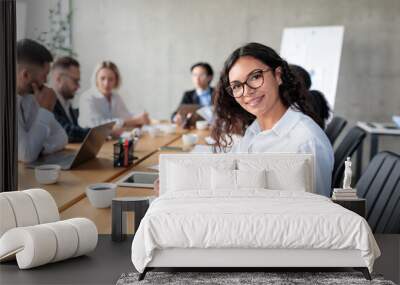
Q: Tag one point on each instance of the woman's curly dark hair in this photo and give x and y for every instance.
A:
(231, 118)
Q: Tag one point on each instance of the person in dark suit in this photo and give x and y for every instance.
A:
(202, 75)
(317, 99)
(65, 80)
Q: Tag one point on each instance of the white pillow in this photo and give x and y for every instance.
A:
(282, 173)
(182, 177)
(223, 179)
(188, 174)
(293, 177)
(251, 178)
(227, 179)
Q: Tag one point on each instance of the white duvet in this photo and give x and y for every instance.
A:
(251, 219)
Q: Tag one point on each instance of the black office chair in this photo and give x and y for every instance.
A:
(380, 186)
(346, 148)
(334, 128)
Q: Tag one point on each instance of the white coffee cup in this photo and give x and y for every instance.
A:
(189, 139)
(153, 131)
(201, 125)
(47, 173)
(169, 129)
(100, 195)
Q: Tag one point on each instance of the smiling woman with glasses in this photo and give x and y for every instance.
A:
(259, 100)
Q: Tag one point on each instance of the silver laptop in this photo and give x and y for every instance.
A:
(89, 149)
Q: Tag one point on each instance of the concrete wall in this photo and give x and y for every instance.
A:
(154, 42)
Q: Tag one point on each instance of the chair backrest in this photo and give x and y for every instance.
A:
(346, 148)
(334, 128)
(380, 186)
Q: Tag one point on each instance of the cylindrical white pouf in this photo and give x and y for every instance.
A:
(38, 244)
(7, 218)
(23, 208)
(45, 205)
(67, 239)
(87, 234)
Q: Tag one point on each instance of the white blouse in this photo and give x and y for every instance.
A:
(294, 132)
(95, 109)
(38, 130)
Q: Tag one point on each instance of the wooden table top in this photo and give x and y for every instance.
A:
(102, 217)
(72, 183)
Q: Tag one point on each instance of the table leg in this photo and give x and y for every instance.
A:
(120, 208)
(117, 221)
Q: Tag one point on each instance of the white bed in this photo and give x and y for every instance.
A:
(201, 219)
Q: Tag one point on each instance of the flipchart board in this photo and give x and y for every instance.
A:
(318, 50)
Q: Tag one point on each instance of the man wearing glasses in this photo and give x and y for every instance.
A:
(65, 79)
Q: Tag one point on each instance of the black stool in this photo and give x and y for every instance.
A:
(119, 207)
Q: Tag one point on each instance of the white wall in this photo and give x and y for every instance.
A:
(154, 43)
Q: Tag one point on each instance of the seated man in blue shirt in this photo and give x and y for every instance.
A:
(202, 75)
(65, 79)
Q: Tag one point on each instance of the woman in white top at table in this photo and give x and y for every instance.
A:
(259, 98)
(101, 103)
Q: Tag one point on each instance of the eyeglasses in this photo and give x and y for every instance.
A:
(253, 81)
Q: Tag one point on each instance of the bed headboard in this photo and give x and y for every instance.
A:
(284, 171)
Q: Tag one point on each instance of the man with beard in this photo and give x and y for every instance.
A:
(38, 130)
(65, 79)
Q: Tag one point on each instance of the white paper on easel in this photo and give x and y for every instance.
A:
(318, 50)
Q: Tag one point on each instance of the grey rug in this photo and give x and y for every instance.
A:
(226, 278)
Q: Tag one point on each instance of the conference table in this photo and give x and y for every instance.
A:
(102, 217)
(72, 183)
(69, 191)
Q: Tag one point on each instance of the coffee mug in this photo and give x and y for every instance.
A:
(189, 139)
(47, 173)
(169, 129)
(201, 125)
(100, 195)
(153, 131)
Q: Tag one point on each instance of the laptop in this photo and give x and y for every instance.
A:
(185, 109)
(88, 150)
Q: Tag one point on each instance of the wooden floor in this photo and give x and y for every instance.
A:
(110, 260)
